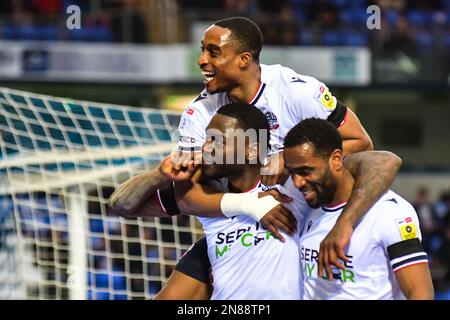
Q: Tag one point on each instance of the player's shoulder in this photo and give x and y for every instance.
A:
(204, 103)
(291, 84)
(393, 206)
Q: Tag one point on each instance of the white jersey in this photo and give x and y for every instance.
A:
(247, 262)
(385, 240)
(285, 97)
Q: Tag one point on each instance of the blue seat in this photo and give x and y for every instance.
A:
(100, 34)
(419, 18)
(391, 17)
(119, 282)
(330, 38)
(96, 225)
(120, 297)
(50, 33)
(101, 280)
(446, 4)
(355, 39)
(96, 34)
(353, 17)
(98, 295)
(425, 40)
(9, 32)
(306, 37)
(342, 4)
(358, 5)
(27, 33)
(78, 34)
(447, 41)
(299, 13)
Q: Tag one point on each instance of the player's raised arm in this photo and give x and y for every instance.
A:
(374, 172)
(139, 195)
(354, 136)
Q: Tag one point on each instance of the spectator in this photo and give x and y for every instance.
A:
(272, 7)
(128, 23)
(423, 208)
(400, 38)
(240, 7)
(428, 5)
(324, 13)
(47, 7)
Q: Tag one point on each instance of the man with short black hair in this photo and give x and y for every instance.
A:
(384, 259)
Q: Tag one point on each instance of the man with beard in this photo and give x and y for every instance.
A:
(384, 259)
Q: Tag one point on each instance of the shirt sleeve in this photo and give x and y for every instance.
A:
(314, 100)
(192, 127)
(399, 234)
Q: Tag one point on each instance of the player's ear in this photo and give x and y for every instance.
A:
(336, 160)
(245, 59)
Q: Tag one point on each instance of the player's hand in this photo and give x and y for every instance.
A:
(332, 248)
(177, 173)
(274, 171)
(279, 218)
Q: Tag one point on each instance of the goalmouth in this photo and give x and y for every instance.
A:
(60, 159)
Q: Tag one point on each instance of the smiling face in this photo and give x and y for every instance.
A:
(219, 60)
(221, 144)
(311, 173)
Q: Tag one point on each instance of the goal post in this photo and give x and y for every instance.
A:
(60, 160)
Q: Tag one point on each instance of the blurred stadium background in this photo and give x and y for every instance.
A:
(61, 157)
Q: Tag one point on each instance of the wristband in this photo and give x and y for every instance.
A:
(248, 204)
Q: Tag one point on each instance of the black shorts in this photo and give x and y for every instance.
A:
(195, 262)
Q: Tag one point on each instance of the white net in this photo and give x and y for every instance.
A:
(60, 160)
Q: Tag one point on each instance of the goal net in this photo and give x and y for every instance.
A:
(60, 160)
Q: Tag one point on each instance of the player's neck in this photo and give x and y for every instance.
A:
(249, 84)
(245, 180)
(344, 188)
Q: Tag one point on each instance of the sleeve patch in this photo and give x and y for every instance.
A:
(185, 122)
(324, 96)
(407, 228)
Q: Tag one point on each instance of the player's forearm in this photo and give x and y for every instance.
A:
(133, 193)
(374, 173)
(362, 143)
(204, 201)
(199, 200)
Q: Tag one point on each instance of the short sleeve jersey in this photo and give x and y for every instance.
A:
(384, 241)
(285, 97)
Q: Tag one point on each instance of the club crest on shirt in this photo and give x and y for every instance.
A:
(407, 227)
(273, 120)
(185, 122)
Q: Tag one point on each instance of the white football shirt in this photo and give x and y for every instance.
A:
(285, 97)
(384, 241)
(247, 262)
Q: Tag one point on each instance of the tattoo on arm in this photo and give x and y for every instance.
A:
(374, 173)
